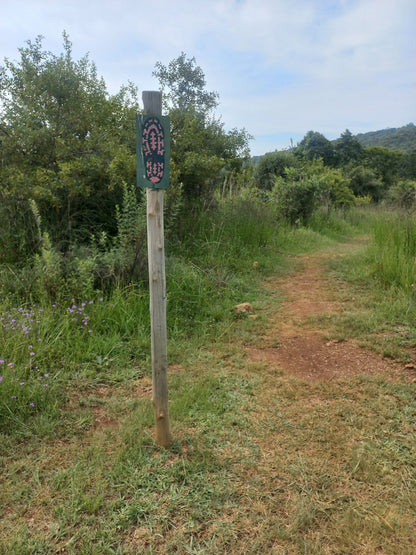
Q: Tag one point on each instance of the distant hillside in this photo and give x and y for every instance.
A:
(401, 138)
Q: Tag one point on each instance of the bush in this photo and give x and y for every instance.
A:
(272, 165)
(403, 194)
(295, 200)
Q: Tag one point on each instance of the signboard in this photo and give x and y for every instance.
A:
(153, 151)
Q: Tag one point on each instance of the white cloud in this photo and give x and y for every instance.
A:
(279, 65)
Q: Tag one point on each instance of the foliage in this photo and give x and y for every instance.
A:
(183, 86)
(407, 168)
(201, 150)
(384, 162)
(401, 138)
(65, 142)
(403, 195)
(296, 197)
(314, 145)
(307, 187)
(348, 149)
(272, 165)
(364, 182)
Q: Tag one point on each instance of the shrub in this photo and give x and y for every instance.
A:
(272, 165)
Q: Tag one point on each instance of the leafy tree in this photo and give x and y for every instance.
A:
(384, 162)
(65, 142)
(183, 84)
(272, 165)
(348, 149)
(315, 145)
(407, 168)
(365, 182)
(201, 150)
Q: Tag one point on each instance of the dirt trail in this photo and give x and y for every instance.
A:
(302, 349)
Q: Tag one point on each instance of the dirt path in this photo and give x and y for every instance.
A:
(296, 346)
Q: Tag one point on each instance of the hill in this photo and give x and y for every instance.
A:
(400, 138)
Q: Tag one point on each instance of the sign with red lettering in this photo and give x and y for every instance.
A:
(153, 151)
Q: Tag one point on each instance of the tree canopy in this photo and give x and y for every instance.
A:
(65, 141)
(201, 149)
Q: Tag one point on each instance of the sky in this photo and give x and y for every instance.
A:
(280, 67)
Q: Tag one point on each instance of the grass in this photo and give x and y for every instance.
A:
(261, 462)
(381, 313)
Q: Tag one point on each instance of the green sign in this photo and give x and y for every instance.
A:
(153, 151)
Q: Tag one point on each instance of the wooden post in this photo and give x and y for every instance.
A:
(152, 102)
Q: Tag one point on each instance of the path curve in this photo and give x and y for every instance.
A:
(303, 350)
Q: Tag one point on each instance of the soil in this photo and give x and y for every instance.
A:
(304, 350)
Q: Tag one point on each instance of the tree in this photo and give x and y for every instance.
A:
(365, 182)
(65, 142)
(407, 166)
(201, 150)
(384, 162)
(183, 84)
(272, 165)
(348, 149)
(315, 145)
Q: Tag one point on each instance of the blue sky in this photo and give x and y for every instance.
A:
(281, 67)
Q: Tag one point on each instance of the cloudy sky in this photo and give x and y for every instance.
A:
(281, 67)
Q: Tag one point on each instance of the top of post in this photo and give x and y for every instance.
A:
(152, 102)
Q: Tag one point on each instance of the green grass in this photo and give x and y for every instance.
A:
(381, 312)
(394, 251)
(260, 463)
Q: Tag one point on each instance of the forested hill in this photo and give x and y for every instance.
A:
(401, 138)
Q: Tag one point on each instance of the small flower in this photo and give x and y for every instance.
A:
(1, 378)
(46, 375)
(89, 331)
(32, 404)
(45, 385)
(91, 302)
(10, 364)
(32, 354)
(22, 383)
(100, 299)
(30, 347)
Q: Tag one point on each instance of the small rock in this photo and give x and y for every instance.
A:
(244, 307)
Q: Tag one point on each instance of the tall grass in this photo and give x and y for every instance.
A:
(98, 337)
(393, 250)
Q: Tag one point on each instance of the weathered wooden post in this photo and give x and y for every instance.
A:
(153, 173)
